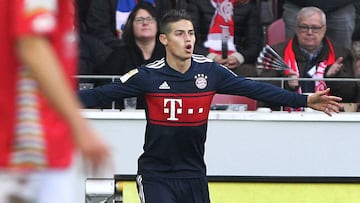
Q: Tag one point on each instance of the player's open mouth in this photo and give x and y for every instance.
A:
(188, 47)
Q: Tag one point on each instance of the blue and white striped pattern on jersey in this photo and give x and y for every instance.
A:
(201, 58)
(156, 64)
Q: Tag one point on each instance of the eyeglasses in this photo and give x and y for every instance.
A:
(141, 20)
(314, 29)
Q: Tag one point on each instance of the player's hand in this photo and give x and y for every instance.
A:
(322, 102)
(94, 151)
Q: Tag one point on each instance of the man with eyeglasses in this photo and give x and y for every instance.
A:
(340, 18)
(310, 54)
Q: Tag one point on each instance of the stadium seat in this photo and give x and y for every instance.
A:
(276, 32)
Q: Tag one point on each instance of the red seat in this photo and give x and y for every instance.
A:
(276, 32)
(234, 99)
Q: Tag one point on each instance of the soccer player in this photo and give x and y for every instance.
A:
(178, 90)
(40, 123)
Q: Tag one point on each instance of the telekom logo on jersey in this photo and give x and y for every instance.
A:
(179, 109)
(173, 107)
(170, 107)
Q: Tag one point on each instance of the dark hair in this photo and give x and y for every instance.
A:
(171, 17)
(128, 35)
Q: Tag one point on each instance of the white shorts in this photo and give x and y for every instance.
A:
(55, 186)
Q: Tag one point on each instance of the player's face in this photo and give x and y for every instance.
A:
(179, 42)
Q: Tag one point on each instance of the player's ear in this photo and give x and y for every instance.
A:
(163, 39)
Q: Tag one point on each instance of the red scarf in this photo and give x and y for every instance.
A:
(290, 60)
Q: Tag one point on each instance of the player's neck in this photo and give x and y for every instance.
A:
(178, 64)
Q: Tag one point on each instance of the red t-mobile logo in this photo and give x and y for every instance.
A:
(179, 109)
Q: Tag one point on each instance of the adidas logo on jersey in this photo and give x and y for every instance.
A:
(164, 86)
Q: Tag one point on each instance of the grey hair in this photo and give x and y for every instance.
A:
(309, 11)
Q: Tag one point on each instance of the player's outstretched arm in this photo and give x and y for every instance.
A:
(322, 102)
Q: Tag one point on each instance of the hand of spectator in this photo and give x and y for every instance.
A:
(220, 60)
(322, 102)
(335, 68)
(293, 84)
(232, 62)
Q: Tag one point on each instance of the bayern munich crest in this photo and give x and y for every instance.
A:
(201, 81)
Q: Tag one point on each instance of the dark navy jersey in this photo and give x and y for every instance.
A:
(177, 108)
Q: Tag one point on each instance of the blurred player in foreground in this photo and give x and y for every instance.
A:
(41, 126)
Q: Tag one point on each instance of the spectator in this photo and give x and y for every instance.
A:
(312, 55)
(141, 45)
(340, 18)
(178, 91)
(40, 122)
(106, 18)
(246, 36)
(103, 30)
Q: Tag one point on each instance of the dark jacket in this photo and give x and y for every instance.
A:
(324, 5)
(248, 35)
(346, 90)
(124, 59)
(101, 22)
(128, 57)
(92, 55)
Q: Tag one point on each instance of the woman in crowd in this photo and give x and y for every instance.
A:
(141, 44)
